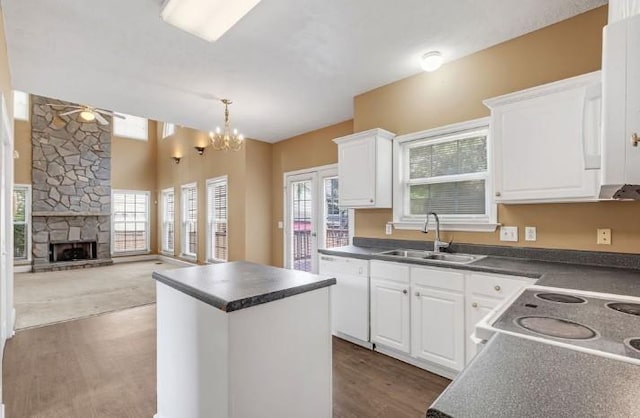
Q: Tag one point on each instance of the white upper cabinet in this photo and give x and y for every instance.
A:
(621, 107)
(546, 142)
(364, 169)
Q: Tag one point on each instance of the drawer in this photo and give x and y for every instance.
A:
(344, 266)
(499, 287)
(390, 271)
(440, 278)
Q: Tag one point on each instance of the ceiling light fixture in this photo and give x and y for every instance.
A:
(431, 61)
(176, 159)
(87, 116)
(226, 139)
(200, 150)
(206, 19)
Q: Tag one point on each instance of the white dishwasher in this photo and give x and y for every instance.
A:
(349, 297)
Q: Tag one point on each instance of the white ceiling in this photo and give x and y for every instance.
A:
(290, 66)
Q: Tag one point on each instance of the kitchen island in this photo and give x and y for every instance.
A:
(243, 340)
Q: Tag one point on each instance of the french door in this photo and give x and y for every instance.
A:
(313, 219)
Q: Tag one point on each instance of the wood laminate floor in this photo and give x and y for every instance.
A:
(104, 366)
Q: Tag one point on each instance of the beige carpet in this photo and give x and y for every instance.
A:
(50, 297)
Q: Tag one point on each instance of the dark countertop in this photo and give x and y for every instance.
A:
(515, 377)
(603, 279)
(240, 284)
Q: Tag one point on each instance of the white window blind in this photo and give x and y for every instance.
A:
(448, 177)
(130, 221)
(189, 220)
(217, 224)
(20, 105)
(444, 171)
(21, 222)
(132, 127)
(168, 129)
(168, 219)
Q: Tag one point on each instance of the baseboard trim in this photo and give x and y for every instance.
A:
(134, 258)
(428, 366)
(353, 340)
(176, 261)
(12, 330)
(22, 269)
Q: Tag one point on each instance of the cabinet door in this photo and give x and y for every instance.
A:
(438, 326)
(390, 314)
(545, 142)
(632, 155)
(357, 171)
(477, 308)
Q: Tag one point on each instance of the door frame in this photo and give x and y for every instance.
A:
(318, 173)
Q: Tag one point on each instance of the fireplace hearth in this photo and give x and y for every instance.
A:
(72, 251)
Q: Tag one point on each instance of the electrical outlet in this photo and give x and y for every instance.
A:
(280, 225)
(509, 233)
(530, 233)
(604, 236)
(388, 229)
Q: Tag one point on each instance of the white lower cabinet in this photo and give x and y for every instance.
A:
(390, 306)
(483, 293)
(390, 314)
(437, 318)
(426, 315)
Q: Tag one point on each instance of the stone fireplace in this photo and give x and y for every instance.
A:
(71, 176)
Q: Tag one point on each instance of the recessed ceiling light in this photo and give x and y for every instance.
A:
(431, 61)
(207, 19)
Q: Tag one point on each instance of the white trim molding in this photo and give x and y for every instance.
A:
(486, 222)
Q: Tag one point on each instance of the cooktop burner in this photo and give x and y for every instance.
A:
(555, 327)
(628, 308)
(633, 347)
(560, 298)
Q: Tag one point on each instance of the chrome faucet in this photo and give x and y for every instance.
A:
(437, 244)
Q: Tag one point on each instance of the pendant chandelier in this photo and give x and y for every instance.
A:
(226, 139)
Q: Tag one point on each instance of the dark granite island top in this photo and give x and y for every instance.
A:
(240, 284)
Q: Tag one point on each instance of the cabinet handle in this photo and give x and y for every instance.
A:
(405, 291)
(635, 139)
(498, 194)
(418, 294)
(497, 287)
(475, 305)
(326, 258)
(370, 200)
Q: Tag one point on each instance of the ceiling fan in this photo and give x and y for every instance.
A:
(88, 113)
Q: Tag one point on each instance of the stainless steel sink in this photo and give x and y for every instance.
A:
(430, 255)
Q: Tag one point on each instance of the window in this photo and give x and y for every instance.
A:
(131, 127)
(20, 105)
(168, 218)
(168, 129)
(130, 221)
(189, 220)
(21, 222)
(217, 225)
(444, 171)
(336, 219)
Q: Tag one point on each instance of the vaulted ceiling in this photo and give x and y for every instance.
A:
(290, 66)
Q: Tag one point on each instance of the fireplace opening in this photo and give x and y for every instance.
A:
(72, 251)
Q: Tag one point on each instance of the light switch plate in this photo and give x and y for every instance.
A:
(530, 233)
(280, 225)
(509, 233)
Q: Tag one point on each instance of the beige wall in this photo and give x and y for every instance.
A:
(455, 93)
(22, 166)
(312, 149)
(133, 167)
(248, 203)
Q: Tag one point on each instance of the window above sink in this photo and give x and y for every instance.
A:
(447, 171)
